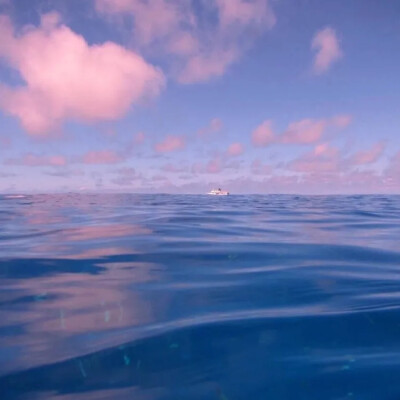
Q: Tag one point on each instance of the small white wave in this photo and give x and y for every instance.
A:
(14, 196)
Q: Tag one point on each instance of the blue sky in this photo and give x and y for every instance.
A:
(262, 96)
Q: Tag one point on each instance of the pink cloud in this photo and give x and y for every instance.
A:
(305, 131)
(245, 12)
(174, 28)
(327, 48)
(235, 18)
(154, 19)
(325, 150)
(323, 158)
(171, 143)
(214, 166)
(369, 156)
(263, 135)
(235, 149)
(33, 160)
(183, 44)
(315, 166)
(102, 157)
(214, 126)
(203, 67)
(57, 160)
(341, 121)
(68, 79)
(115, 6)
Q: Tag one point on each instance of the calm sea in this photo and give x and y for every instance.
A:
(149, 297)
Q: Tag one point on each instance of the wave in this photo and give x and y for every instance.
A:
(183, 297)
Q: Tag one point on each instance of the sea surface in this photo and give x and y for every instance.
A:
(147, 297)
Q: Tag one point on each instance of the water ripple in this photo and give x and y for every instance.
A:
(191, 297)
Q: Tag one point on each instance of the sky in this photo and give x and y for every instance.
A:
(182, 96)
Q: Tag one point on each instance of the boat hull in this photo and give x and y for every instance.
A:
(219, 193)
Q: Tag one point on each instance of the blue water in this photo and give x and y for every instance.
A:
(195, 297)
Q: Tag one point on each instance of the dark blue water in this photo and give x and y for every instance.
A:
(195, 297)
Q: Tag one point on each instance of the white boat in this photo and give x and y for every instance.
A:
(218, 192)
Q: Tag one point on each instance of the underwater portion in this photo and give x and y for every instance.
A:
(164, 297)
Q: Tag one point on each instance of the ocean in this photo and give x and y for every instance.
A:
(175, 297)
